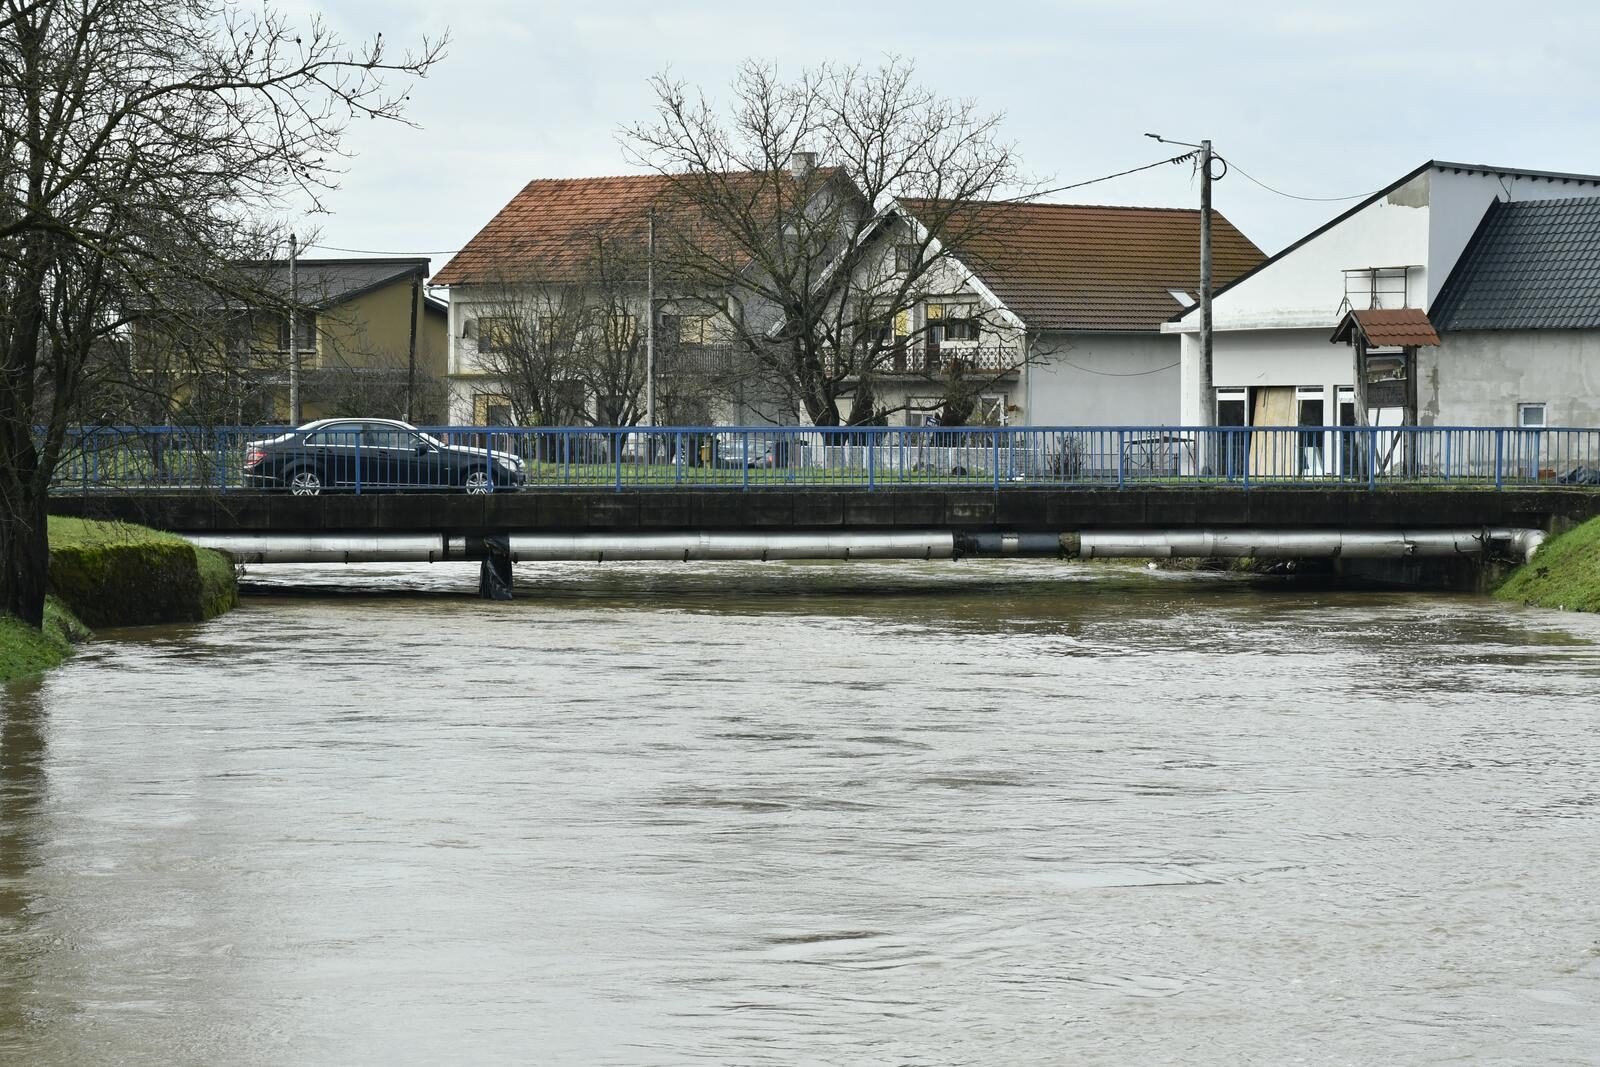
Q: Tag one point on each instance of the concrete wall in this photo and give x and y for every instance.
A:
(1478, 378)
(1104, 379)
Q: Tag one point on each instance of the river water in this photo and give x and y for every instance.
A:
(1019, 813)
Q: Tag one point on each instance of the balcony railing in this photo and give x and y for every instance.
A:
(167, 458)
(926, 358)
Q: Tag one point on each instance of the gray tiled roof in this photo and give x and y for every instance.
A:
(1532, 265)
(324, 282)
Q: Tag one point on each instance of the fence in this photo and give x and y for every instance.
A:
(366, 457)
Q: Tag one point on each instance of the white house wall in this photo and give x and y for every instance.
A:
(1477, 378)
(1272, 358)
(1306, 286)
(1102, 380)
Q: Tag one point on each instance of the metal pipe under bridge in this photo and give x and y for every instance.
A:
(498, 553)
(517, 547)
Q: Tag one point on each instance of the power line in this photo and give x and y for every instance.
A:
(1293, 196)
(377, 252)
(1119, 174)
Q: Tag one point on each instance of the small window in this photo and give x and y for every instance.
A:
(957, 322)
(491, 409)
(1531, 416)
(494, 334)
(685, 329)
(923, 410)
(1231, 407)
(905, 258)
(307, 332)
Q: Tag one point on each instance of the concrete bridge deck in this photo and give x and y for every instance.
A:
(959, 510)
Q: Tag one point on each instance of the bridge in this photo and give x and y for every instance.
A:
(1458, 495)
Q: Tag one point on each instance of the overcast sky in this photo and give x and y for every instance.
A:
(1316, 99)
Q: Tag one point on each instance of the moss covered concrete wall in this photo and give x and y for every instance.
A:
(113, 574)
(138, 584)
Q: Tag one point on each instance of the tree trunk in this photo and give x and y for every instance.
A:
(864, 404)
(821, 408)
(24, 538)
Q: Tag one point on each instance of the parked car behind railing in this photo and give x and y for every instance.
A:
(374, 454)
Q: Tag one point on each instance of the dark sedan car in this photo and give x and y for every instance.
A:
(374, 454)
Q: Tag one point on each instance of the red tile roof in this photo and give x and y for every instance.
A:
(1058, 266)
(1390, 327)
(1083, 267)
(547, 231)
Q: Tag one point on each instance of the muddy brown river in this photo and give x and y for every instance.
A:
(1008, 813)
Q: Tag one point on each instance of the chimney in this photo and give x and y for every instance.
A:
(802, 163)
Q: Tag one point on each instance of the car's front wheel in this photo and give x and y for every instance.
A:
(478, 483)
(304, 481)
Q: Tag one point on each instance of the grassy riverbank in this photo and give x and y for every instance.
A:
(1564, 573)
(25, 651)
(115, 574)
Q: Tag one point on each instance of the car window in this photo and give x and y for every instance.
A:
(338, 433)
(382, 435)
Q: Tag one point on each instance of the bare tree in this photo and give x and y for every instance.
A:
(788, 217)
(139, 139)
(528, 338)
(573, 351)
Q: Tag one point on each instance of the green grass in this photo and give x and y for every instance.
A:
(1564, 573)
(87, 533)
(25, 651)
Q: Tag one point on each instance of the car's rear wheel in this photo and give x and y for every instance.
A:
(477, 482)
(304, 481)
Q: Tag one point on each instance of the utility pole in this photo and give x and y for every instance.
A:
(411, 351)
(1208, 405)
(1203, 375)
(294, 334)
(650, 325)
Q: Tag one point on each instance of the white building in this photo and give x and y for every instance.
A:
(1073, 297)
(1049, 314)
(1273, 362)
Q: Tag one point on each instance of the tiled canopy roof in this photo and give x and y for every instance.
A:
(1533, 264)
(1080, 267)
(1389, 327)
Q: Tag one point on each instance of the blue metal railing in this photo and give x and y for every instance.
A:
(479, 459)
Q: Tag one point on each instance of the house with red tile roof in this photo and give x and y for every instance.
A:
(1045, 313)
(1062, 305)
(563, 245)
